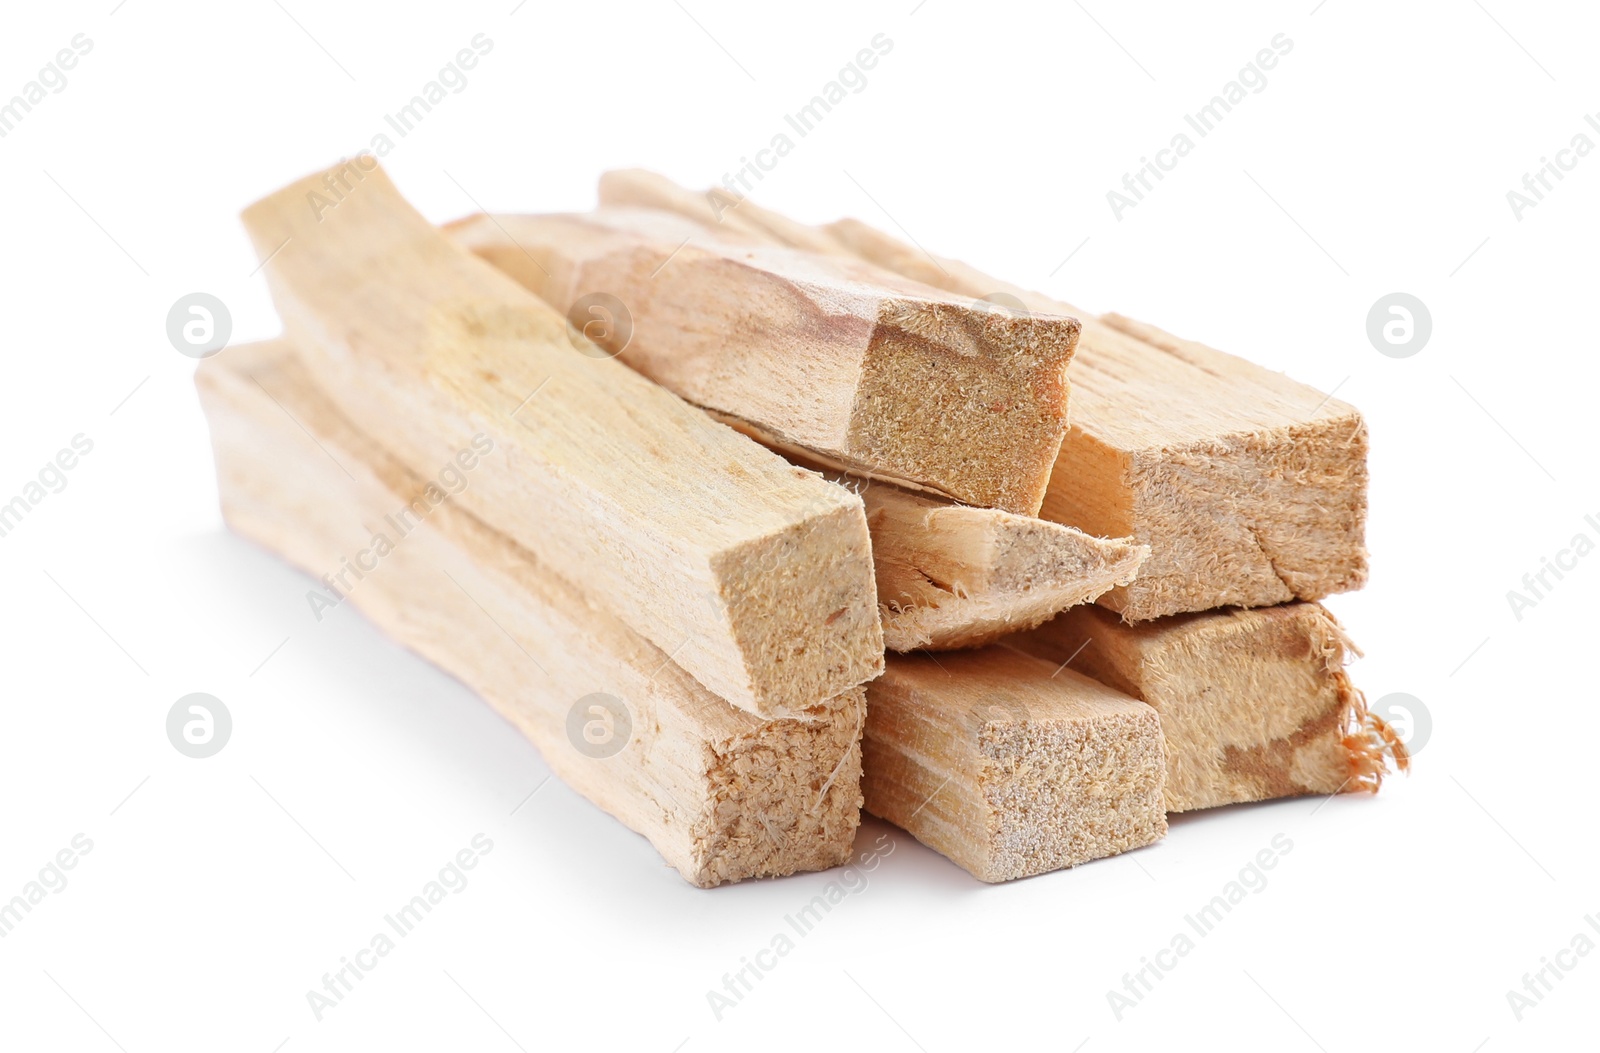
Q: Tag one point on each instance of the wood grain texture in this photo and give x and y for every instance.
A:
(992, 759)
(1254, 704)
(718, 208)
(1250, 488)
(754, 574)
(877, 374)
(951, 576)
(722, 794)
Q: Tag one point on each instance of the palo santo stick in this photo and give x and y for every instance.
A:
(856, 366)
(717, 208)
(1254, 704)
(1009, 769)
(1249, 487)
(953, 576)
(721, 794)
(754, 574)
(950, 576)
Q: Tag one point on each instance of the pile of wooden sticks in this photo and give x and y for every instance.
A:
(665, 481)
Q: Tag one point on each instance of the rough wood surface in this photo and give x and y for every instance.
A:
(1254, 704)
(951, 576)
(755, 575)
(718, 208)
(1009, 769)
(859, 366)
(722, 794)
(1250, 488)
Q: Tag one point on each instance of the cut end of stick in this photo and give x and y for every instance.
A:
(792, 596)
(1007, 769)
(856, 364)
(784, 796)
(721, 793)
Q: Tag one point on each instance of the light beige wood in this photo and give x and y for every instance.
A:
(857, 366)
(1008, 767)
(720, 793)
(735, 215)
(1250, 488)
(1254, 704)
(755, 575)
(951, 576)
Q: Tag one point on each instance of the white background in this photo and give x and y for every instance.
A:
(1377, 159)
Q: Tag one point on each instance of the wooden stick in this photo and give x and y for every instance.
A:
(950, 576)
(717, 208)
(1249, 488)
(857, 366)
(1008, 768)
(722, 794)
(1254, 704)
(755, 575)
